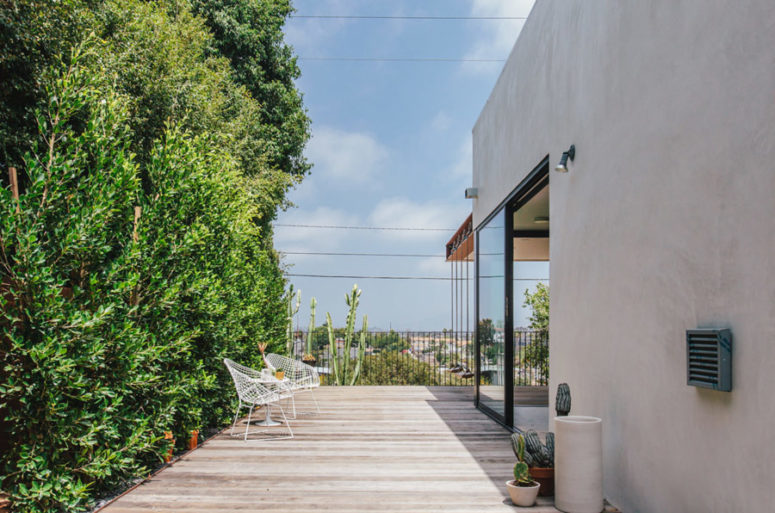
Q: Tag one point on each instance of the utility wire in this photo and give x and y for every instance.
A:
(338, 227)
(347, 17)
(409, 255)
(397, 59)
(435, 278)
(366, 277)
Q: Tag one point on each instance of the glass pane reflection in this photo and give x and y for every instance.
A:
(491, 320)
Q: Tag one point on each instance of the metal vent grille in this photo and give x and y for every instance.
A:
(709, 359)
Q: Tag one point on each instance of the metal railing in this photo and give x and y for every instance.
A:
(399, 358)
(429, 358)
(531, 358)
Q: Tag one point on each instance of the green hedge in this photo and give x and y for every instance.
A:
(112, 333)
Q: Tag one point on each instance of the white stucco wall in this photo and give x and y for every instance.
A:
(665, 222)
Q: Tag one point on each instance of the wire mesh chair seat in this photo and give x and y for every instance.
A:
(255, 391)
(302, 377)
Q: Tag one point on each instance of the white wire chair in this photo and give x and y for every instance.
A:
(302, 377)
(253, 391)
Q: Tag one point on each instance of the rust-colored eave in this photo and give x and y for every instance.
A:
(461, 246)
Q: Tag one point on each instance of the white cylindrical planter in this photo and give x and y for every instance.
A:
(578, 464)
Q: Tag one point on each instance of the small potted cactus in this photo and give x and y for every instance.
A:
(538, 456)
(523, 490)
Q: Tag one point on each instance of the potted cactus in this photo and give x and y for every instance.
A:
(523, 490)
(538, 456)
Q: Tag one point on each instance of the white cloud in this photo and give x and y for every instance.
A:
(404, 213)
(441, 122)
(495, 39)
(345, 156)
(433, 266)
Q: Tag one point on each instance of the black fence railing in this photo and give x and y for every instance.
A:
(429, 358)
(398, 358)
(531, 358)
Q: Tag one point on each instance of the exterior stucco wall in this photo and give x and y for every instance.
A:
(665, 222)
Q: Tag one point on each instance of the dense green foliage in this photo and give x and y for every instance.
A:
(536, 353)
(249, 34)
(114, 326)
(393, 368)
(538, 302)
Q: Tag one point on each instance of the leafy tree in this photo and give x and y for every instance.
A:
(536, 352)
(67, 335)
(113, 327)
(489, 347)
(249, 34)
(538, 302)
(32, 35)
(218, 67)
(390, 341)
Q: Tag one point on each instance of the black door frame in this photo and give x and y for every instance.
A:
(536, 180)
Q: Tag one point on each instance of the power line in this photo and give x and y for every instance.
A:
(347, 17)
(408, 255)
(363, 277)
(397, 59)
(366, 277)
(338, 227)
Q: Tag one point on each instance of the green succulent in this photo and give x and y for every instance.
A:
(521, 474)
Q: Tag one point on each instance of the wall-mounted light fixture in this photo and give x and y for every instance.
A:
(472, 192)
(570, 154)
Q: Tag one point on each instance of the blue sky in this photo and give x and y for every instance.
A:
(391, 147)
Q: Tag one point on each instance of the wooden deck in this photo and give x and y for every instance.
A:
(372, 449)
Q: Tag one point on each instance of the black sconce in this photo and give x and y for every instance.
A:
(570, 154)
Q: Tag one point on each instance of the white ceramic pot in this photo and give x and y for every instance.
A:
(578, 464)
(522, 495)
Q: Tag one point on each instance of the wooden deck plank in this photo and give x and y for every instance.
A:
(372, 449)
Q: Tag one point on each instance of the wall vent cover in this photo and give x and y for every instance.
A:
(709, 359)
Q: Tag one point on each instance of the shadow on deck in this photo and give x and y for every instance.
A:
(372, 449)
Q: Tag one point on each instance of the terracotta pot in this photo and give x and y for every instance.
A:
(545, 476)
(168, 436)
(522, 495)
(194, 440)
(5, 504)
(279, 375)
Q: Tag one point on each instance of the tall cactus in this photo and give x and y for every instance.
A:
(291, 312)
(562, 402)
(332, 348)
(361, 351)
(518, 446)
(341, 365)
(311, 331)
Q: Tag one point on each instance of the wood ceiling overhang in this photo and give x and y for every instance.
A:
(460, 247)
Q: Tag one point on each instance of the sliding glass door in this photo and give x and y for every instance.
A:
(516, 232)
(492, 325)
